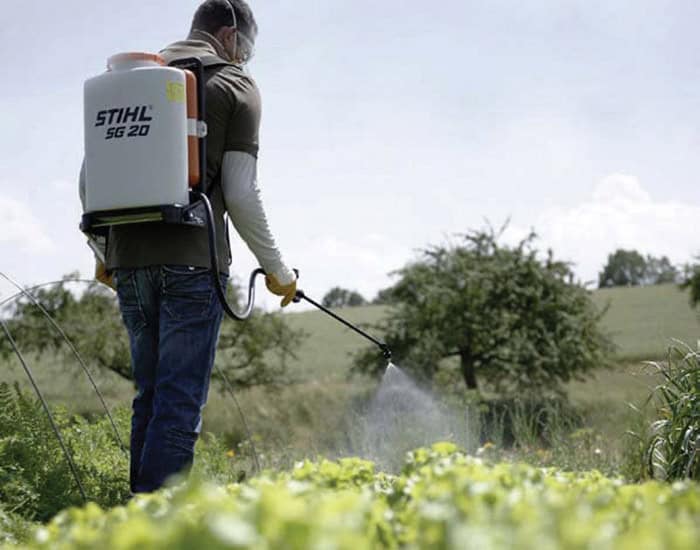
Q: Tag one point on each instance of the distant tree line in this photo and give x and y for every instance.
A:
(342, 297)
(630, 268)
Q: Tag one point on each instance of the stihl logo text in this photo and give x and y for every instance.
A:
(123, 122)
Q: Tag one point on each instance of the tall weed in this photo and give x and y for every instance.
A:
(672, 449)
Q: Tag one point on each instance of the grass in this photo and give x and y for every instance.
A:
(643, 320)
(326, 354)
(63, 382)
(628, 382)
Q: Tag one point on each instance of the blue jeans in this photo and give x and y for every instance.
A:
(173, 316)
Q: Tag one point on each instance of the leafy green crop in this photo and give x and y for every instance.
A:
(442, 499)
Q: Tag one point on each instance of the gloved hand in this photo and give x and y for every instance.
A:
(102, 276)
(287, 291)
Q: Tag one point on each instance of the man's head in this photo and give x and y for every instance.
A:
(232, 23)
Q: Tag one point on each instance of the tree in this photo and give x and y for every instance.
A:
(92, 322)
(256, 352)
(384, 297)
(515, 323)
(342, 297)
(692, 282)
(661, 271)
(624, 268)
(630, 268)
(250, 353)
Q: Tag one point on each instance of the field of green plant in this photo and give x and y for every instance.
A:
(441, 499)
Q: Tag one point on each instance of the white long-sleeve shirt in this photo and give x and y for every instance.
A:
(239, 181)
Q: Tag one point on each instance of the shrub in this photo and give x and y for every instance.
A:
(672, 450)
(13, 529)
(692, 283)
(35, 479)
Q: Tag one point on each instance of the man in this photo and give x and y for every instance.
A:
(166, 294)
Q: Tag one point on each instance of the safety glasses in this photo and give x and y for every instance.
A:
(245, 48)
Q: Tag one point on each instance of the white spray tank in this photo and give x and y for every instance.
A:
(142, 141)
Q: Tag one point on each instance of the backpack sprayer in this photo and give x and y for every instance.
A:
(145, 151)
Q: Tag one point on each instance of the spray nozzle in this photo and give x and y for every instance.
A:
(386, 352)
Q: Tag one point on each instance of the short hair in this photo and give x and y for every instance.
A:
(244, 18)
(212, 15)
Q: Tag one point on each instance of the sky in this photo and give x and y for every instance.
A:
(389, 126)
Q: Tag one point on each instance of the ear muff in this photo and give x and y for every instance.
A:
(233, 16)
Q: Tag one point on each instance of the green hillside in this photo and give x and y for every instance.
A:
(326, 352)
(642, 322)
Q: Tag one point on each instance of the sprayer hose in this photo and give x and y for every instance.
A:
(214, 260)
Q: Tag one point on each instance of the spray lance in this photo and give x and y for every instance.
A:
(386, 352)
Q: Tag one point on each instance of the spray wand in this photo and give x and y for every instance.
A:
(386, 352)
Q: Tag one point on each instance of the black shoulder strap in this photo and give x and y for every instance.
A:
(210, 61)
(213, 62)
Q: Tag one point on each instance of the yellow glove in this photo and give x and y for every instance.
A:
(286, 291)
(102, 276)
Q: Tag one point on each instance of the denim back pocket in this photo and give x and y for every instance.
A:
(187, 291)
(130, 303)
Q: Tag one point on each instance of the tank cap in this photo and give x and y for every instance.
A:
(134, 57)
